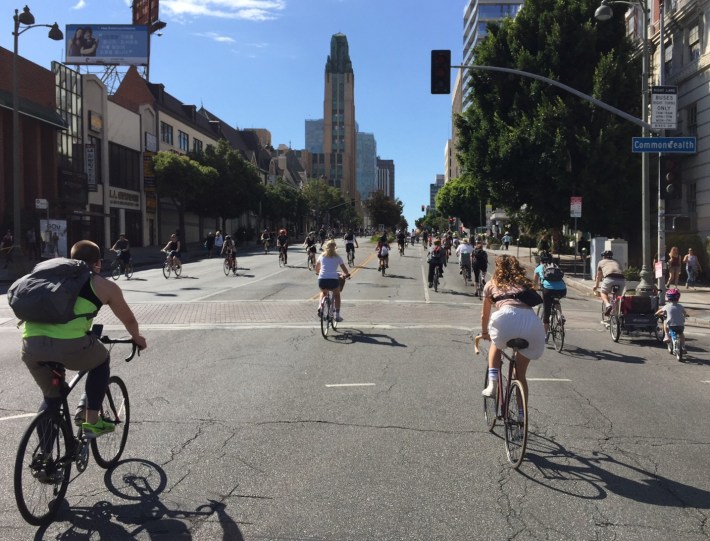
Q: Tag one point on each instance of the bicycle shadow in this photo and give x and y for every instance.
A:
(140, 482)
(602, 473)
(600, 355)
(352, 336)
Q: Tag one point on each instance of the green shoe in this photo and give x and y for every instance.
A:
(99, 429)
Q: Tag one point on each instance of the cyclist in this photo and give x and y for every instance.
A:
(173, 248)
(124, 251)
(435, 259)
(480, 264)
(328, 276)
(72, 345)
(512, 319)
(321, 235)
(675, 316)
(551, 289)
(401, 239)
(310, 243)
(350, 242)
(464, 252)
(425, 238)
(609, 274)
(282, 244)
(448, 242)
(265, 239)
(229, 251)
(383, 251)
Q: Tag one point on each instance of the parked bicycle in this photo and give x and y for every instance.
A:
(48, 448)
(171, 265)
(509, 405)
(117, 266)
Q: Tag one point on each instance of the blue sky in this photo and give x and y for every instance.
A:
(260, 64)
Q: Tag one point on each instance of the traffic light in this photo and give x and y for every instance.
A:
(423, 208)
(670, 171)
(441, 72)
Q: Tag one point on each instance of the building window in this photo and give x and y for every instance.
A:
(69, 103)
(694, 43)
(124, 167)
(166, 133)
(183, 141)
(692, 119)
(196, 145)
(668, 57)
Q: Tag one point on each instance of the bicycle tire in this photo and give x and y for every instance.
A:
(382, 268)
(226, 267)
(129, 270)
(557, 329)
(116, 408)
(310, 263)
(178, 269)
(351, 259)
(436, 279)
(614, 327)
(331, 317)
(324, 309)
(677, 350)
(658, 330)
(166, 269)
(115, 269)
(490, 405)
(42, 501)
(516, 430)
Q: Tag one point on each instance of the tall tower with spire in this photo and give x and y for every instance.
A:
(339, 128)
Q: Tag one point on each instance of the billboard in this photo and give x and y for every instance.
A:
(107, 44)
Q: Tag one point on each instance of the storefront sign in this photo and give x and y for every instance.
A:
(125, 199)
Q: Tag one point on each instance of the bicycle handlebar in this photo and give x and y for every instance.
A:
(108, 340)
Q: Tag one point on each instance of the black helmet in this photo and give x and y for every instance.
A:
(607, 254)
(545, 257)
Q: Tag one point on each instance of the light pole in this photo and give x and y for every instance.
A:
(604, 13)
(27, 20)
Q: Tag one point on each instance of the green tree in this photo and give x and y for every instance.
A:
(180, 178)
(283, 203)
(384, 210)
(525, 142)
(459, 198)
(320, 198)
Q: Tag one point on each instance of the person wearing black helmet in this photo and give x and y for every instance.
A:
(609, 274)
(549, 278)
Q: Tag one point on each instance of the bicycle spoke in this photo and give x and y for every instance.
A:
(516, 424)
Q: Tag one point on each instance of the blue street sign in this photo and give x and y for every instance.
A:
(668, 145)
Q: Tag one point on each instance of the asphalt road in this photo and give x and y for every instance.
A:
(247, 424)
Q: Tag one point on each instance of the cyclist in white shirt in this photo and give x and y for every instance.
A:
(463, 252)
(329, 277)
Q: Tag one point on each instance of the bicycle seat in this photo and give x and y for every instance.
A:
(615, 288)
(517, 343)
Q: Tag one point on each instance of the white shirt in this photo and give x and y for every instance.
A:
(464, 249)
(329, 266)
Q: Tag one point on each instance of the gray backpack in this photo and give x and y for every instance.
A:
(49, 292)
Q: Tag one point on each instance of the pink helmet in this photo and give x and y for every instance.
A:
(672, 295)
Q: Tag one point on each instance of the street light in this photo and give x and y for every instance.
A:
(604, 13)
(27, 20)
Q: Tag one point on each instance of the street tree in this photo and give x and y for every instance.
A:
(384, 210)
(525, 142)
(179, 179)
(283, 203)
(320, 198)
(459, 198)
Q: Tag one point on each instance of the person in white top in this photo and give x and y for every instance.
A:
(463, 252)
(329, 277)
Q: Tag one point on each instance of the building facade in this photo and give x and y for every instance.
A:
(366, 169)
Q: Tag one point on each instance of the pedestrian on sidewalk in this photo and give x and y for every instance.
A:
(673, 267)
(506, 240)
(692, 267)
(218, 241)
(209, 244)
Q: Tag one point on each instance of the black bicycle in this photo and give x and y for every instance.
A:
(48, 448)
(556, 324)
(118, 268)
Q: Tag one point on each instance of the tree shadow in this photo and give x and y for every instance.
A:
(140, 483)
(593, 476)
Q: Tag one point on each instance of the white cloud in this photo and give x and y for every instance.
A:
(81, 4)
(216, 37)
(251, 10)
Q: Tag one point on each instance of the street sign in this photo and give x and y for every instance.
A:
(669, 145)
(41, 204)
(664, 107)
(575, 208)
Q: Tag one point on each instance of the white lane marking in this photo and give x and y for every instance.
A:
(426, 286)
(706, 381)
(548, 379)
(350, 385)
(21, 416)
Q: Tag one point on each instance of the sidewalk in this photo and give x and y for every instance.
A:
(695, 300)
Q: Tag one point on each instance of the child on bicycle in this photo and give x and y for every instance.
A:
(674, 317)
(551, 289)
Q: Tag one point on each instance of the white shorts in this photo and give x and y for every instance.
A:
(514, 322)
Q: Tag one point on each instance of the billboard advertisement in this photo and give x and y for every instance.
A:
(107, 44)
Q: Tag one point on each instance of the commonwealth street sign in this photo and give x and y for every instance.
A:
(668, 145)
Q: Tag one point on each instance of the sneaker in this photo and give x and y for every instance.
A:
(431, 284)
(338, 318)
(79, 415)
(683, 351)
(460, 272)
(100, 428)
(492, 390)
(607, 310)
(320, 312)
(666, 339)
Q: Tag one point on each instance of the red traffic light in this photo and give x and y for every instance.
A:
(441, 72)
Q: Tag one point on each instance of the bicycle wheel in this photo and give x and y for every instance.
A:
(115, 269)
(129, 270)
(351, 258)
(658, 330)
(281, 259)
(490, 405)
(116, 409)
(382, 266)
(677, 350)
(324, 311)
(177, 269)
(464, 272)
(43, 468)
(436, 279)
(226, 267)
(614, 327)
(516, 424)
(166, 269)
(557, 328)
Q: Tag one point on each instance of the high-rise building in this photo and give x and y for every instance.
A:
(476, 16)
(314, 136)
(434, 189)
(385, 176)
(366, 166)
